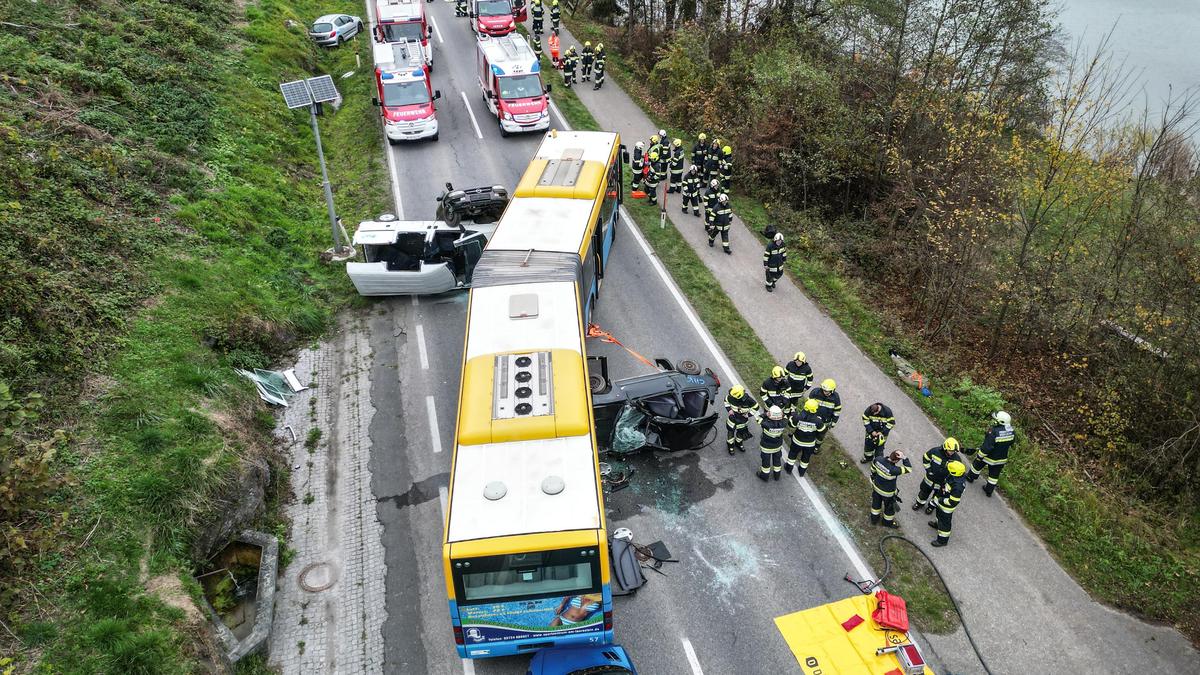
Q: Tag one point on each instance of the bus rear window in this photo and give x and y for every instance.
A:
(528, 574)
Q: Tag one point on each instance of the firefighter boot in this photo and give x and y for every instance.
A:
(874, 519)
(761, 476)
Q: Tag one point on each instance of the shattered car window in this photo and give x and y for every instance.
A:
(627, 434)
(694, 403)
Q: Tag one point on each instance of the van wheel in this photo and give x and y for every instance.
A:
(503, 133)
(392, 141)
(688, 367)
(596, 383)
(435, 137)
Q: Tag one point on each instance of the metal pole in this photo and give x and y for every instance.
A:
(333, 225)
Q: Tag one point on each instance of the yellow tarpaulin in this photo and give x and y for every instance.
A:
(824, 647)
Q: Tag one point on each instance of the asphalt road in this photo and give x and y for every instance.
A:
(748, 551)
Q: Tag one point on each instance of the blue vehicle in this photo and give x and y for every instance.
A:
(582, 660)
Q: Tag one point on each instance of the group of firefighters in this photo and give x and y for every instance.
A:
(588, 61)
(811, 413)
(711, 164)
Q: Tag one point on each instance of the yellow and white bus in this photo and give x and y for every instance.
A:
(525, 549)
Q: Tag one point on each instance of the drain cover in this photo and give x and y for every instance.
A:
(317, 577)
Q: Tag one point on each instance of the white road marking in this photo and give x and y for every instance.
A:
(478, 133)
(421, 347)
(391, 159)
(691, 656)
(442, 496)
(831, 523)
(435, 436)
(416, 300)
(468, 667)
(436, 30)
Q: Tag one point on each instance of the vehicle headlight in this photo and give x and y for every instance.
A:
(508, 116)
(545, 113)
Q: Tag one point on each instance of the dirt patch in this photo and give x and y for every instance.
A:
(169, 589)
(95, 386)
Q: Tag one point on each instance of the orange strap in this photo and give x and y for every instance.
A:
(594, 331)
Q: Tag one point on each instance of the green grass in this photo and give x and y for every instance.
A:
(847, 490)
(230, 278)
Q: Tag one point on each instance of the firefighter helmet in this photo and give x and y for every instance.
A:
(779, 237)
(956, 468)
(737, 391)
(811, 405)
(654, 156)
(678, 142)
(587, 43)
(727, 150)
(714, 183)
(662, 133)
(951, 445)
(1002, 417)
(723, 198)
(654, 139)
(828, 384)
(800, 358)
(639, 144)
(701, 137)
(599, 46)
(775, 412)
(777, 372)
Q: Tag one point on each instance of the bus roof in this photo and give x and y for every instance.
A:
(544, 225)
(492, 329)
(523, 468)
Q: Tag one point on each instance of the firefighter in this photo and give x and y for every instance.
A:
(710, 209)
(946, 499)
(935, 460)
(994, 452)
(569, 61)
(585, 60)
(555, 16)
(878, 422)
(537, 47)
(799, 376)
(637, 165)
(677, 154)
(539, 13)
(774, 390)
(722, 219)
(770, 445)
(739, 408)
(884, 472)
(655, 144)
(554, 57)
(773, 259)
(460, 8)
(807, 424)
(601, 58)
(712, 161)
(691, 190)
(725, 166)
(700, 151)
(654, 175)
(830, 403)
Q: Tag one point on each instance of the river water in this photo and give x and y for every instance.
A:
(1158, 39)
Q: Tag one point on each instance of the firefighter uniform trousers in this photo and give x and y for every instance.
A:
(637, 166)
(773, 259)
(994, 455)
(460, 7)
(691, 192)
(883, 422)
(712, 163)
(725, 166)
(884, 473)
(653, 177)
(710, 214)
(804, 440)
(569, 60)
(537, 47)
(770, 447)
(676, 169)
(737, 421)
(586, 60)
(949, 495)
(600, 58)
(934, 460)
(722, 219)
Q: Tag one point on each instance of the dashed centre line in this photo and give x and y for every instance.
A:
(435, 436)
(478, 133)
(421, 346)
(691, 656)
(436, 30)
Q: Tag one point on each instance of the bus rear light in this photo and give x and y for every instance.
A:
(607, 620)
(458, 634)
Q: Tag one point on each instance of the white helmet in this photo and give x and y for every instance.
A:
(775, 412)
(779, 237)
(639, 144)
(723, 198)
(714, 183)
(623, 533)
(662, 133)
(1002, 417)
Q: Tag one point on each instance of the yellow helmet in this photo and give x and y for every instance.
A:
(555, 2)
(777, 372)
(811, 406)
(737, 391)
(828, 384)
(587, 43)
(956, 468)
(599, 46)
(727, 150)
(800, 357)
(654, 139)
(701, 137)
(678, 142)
(653, 156)
(951, 445)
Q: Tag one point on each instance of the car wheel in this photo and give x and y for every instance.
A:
(688, 367)
(358, 29)
(596, 383)
(392, 141)
(341, 40)
(435, 137)
(502, 131)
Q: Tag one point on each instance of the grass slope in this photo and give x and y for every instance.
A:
(186, 212)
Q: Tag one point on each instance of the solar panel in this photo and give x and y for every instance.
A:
(323, 89)
(295, 94)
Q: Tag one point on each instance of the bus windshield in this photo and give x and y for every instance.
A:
(405, 93)
(396, 32)
(494, 7)
(520, 86)
(528, 574)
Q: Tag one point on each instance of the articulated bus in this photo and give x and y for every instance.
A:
(526, 548)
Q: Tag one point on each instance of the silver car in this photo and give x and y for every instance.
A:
(332, 30)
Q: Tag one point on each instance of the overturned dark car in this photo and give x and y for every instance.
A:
(674, 409)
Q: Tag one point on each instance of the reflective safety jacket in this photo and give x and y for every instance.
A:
(691, 184)
(676, 159)
(773, 432)
(829, 405)
(807, 426)
(884, 473)
(722, 216)
(775, 256)
(725, 165)
(882, 421)
(538, 10)
(638, 163)
(587, 55)
(934, 460)
(699, 153)
(798, 376)
(950, 493)
(996, 443)
(739, 410)
(775, 392)
(711, 204)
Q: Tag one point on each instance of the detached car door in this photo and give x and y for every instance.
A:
(468, 250)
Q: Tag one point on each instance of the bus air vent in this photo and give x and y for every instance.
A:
(494, 490)
(524, 386)
(553, 485)
(562, 172)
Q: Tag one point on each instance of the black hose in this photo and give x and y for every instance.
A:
(887, 568)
